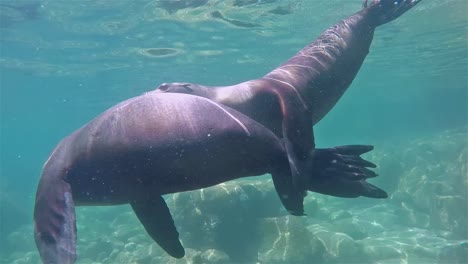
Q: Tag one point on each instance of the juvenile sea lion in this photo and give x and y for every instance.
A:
(293, 97)
(157, 144)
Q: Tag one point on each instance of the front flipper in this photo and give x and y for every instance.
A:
(341, 172)
(291, 199)
(158, 223)
(298, 134)
(54, 221)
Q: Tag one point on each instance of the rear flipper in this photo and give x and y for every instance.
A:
(341, 172)
(384, 11)
(338, 171)
(54, 222)
(342, 187)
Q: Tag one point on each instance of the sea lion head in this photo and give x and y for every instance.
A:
(183, 87)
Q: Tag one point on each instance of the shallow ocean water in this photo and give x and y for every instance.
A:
(64, 62)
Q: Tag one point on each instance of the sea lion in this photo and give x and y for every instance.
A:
(296, 95)
(157, 144)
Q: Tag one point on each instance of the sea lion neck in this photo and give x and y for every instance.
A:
(233, 95)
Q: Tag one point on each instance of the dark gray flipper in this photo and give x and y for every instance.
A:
(297, 128)
(54, 222)
(157, 220)
(337, 171)
(341, 187)
(291, 199)
(341, 172)
(384, 11)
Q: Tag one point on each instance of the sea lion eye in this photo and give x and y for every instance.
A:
(163, 87)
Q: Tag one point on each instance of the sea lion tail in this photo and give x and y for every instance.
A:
(384, 11)
(54, 221)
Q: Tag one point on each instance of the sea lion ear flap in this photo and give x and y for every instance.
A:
(187, 87)
(291, 199)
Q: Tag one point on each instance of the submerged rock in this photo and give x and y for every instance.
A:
(456, 253)
(214, 256)
(226, 217)
(435, 182)
(287, 240)
(337, 247)
(404, 244)
(27, 258)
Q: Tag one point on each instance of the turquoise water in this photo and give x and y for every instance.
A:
(64, 62)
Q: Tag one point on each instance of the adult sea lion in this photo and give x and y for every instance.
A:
(300, 92)
(157, 144)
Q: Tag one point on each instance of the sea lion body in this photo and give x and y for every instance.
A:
(143, 148)
(296, 95)
(149, 135)
(319, 74)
